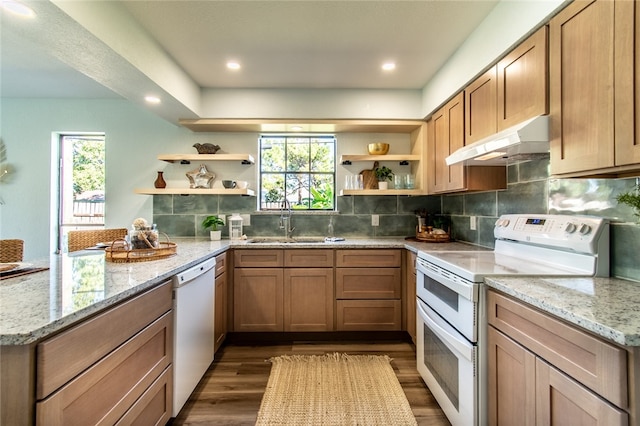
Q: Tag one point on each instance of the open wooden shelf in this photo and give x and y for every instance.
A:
(307, 125)
(352, 158)
(382, 192)
(173, 158)
(194, 191)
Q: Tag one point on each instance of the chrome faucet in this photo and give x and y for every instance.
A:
(285, 222)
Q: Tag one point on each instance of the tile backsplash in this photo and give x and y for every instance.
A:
(529, 190)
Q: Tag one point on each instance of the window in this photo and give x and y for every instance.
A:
(81, 180)
(300, 169)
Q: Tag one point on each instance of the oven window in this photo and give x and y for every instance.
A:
(443, 365)
(443, 293)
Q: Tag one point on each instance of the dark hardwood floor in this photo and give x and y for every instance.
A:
(231, 391)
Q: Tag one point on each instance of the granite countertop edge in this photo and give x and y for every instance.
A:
(191, 251)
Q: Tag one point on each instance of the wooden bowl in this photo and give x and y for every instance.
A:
(378, 148)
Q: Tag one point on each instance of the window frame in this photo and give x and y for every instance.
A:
(263, 204)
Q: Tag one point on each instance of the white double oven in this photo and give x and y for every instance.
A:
(451, 323)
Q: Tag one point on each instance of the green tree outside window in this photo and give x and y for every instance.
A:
(298, 168)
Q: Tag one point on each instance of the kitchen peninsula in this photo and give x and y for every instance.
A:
(42, 307)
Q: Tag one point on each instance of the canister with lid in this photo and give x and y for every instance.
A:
(235, 227)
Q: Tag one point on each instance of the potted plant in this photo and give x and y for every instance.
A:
(213, 222)
(631, 199)
(272, 198)
(384, 175)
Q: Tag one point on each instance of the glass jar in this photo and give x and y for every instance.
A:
(144, 238)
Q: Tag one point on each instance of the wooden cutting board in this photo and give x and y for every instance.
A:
(369, 177)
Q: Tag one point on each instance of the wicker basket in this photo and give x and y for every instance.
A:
(119, 252)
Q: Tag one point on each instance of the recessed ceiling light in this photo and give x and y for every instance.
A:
(233, 65)
(152, 99)
(389, 66)
(17, 8)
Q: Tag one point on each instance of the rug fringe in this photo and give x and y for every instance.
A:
(328, 357)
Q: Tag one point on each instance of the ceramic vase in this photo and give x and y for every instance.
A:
(215, 235)
(383, 185)
(159, 182)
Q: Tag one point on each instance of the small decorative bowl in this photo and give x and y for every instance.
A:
(378, 148)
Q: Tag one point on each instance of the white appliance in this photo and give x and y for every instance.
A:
(193, 342)
(451, 352)
(526, 138)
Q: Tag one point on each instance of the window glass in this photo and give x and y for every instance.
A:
(300, 169)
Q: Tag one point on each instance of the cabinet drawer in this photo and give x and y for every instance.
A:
(258, 258)
(361, 283)
(596, 364)
(311, 258)
(369, 258)
(373, 315)
(221, 263)
(64, 356)
(104, 392)
(154, 406)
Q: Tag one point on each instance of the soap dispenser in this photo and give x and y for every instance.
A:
(235, 227)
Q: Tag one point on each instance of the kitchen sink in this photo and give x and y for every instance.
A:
(300, 240)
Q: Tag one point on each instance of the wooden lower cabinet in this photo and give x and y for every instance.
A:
(220, 308)
(410, 295)
(544, 372)
(561, 400)
(372, 315)
(258, 295)
(308, 299)
(125, 372)
(511, 381)
(369, 290)
(296, 294)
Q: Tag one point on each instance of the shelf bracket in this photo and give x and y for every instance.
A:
(346, 163)
(404, 163)
(185, 162)
(246, 162)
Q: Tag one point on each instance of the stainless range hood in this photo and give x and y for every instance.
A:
(525, 140)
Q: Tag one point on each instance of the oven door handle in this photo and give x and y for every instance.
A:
(449, 336)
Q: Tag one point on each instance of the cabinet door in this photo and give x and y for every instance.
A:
(510, 381)
(410, 295)
(627, 69)
(563, 401)
(480, 118)
(581, 68)
(522, 81)
(446, 135)
(220, 311)
(308, 299)
(258, 299)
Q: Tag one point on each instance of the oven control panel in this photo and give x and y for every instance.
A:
(576, 233)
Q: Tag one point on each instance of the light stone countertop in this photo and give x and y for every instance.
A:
(608, 307)
(80, 284)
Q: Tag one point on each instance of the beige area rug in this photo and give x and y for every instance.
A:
(334, 389)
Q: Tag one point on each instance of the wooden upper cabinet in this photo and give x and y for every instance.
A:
(445, 135)
(522, 81)
(627, 76)
(593, 95)
(480, 97)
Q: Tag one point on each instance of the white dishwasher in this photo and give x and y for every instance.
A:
(193, 340)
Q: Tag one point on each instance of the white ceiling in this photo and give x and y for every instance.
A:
(280, 44)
